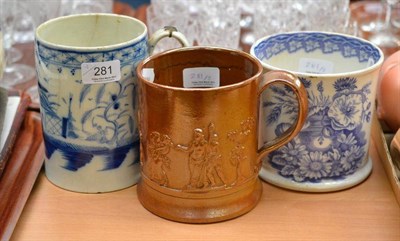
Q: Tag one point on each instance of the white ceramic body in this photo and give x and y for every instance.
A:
(90, 130)
(340, 74)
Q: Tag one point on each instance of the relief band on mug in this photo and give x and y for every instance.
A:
(204, 159)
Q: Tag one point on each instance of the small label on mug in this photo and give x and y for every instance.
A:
(315, 66)
(201, 77)
(148, 74)
(101, 72)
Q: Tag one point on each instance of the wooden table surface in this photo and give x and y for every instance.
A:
(368, 211)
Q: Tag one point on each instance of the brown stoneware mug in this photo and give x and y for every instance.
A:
(198, 124)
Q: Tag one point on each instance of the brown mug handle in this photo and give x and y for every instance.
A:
(286, 78)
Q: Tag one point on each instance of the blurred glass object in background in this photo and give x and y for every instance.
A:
(13, 73)
(379, 22)
(236, 24)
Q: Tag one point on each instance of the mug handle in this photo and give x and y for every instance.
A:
(167, 31)
(283, 77)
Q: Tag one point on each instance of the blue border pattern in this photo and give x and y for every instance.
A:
(74, 59)
(310, 41)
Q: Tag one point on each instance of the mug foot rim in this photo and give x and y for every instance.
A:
(199, 210)
(73, 185)
(327, 185)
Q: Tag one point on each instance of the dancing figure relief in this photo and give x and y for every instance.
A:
(159, 148)
(197, 159)
(238, 153)
(205, 159)
(214, 159)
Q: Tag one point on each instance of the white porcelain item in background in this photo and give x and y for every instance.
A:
(87, 86)
(340, 74)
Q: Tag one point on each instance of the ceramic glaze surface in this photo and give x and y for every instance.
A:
(88, 96)
(334, 141)
(98, 116)
(331, 151)
(87, 120)
(199, 150)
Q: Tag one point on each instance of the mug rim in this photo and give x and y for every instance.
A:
(49, 44)
(334, 75)
(244, 82)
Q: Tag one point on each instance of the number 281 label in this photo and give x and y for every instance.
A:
(101, 72)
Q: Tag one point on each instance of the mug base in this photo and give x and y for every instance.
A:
(91, 182)
(327, 185)
(196, 208)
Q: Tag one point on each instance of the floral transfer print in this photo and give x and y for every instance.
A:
(332, 143)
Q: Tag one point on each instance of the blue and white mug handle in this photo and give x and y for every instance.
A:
(167, 31)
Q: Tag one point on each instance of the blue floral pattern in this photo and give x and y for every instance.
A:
(332, 143)
(87, 120)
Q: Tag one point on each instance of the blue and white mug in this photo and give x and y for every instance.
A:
(340, 73)
(87, 86)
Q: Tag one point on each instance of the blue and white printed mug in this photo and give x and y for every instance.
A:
(340, 74)
(87, 86)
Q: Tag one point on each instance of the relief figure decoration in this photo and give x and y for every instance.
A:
(238, 153)
(204, 160)
(159, 148)
(214, 159)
